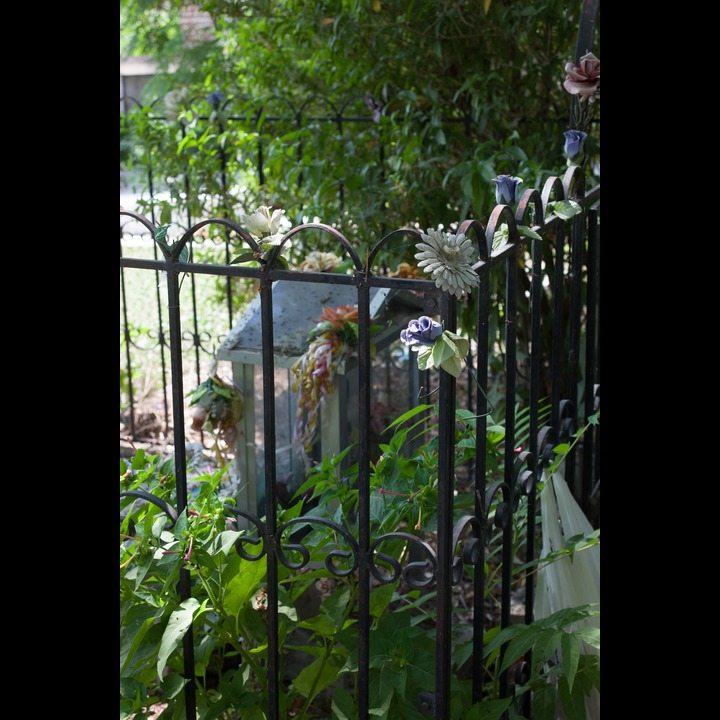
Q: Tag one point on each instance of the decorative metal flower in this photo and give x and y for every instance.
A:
(435, 347)
(574, 145)
(448, 259)
(423, 331)
(215, 98)
(506, 189)
(583, 79)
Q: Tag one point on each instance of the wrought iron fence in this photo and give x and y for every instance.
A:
(533, 361)
(461, 543)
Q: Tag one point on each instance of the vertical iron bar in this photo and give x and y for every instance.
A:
(162, 344)
(364, 369)
(193, 284)
(158, 298)
(585, 43)
(298, 125)
(586, 28)
(268, 383)
(341, 188)
(483, 341)
(590, 356)
(576, 285)
(176, 370)
(383, 177)
(558, 324)
(446, 450)
(260, 168)
(509, 459)
(226, 213)
(535, 358)
(126, 335)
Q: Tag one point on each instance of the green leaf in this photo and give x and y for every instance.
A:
(590, 635)
(244, 583)
(453, 366)
(177, 626)
(461, 653)
(462, 344)
(160, 235)
(501, 236)
(528, 232)
(133, 633)
(443, 349)
(573, 700)
(343, 705)
(399, 682)
(245, 257)
(425, 357)
(570, 646)
(321, 624)
(318, 675)
(520, 645)
(380, 598)
(494, 637)
(250, 712)
(410, 414)
(139, 460)
(381, 694)
(566, 209)
(544, 701)
(173, 684)
(546, 645)
(488, 710)
(224, 542)
(166, 213)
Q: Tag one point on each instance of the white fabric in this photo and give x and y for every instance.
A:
(567, 583)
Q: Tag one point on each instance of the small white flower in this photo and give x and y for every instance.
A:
(265, 222)
(174, 101)
(448, 259)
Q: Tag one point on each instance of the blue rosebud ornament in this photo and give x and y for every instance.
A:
(423, 331)
(574, 145)
(215, 98)
(505, 188)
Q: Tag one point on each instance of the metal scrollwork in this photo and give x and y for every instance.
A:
(407, 571)
(165, 506)
(249, 539)
(545, 446)
(567, 420)
(548, 437)
(525, 478)
(472, 548)
(504, 508)
(333, 559)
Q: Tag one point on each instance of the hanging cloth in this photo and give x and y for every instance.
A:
(567, 582)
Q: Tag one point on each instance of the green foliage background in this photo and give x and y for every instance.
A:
(468, 90)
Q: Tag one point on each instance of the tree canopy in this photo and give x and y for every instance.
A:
(460, 91)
